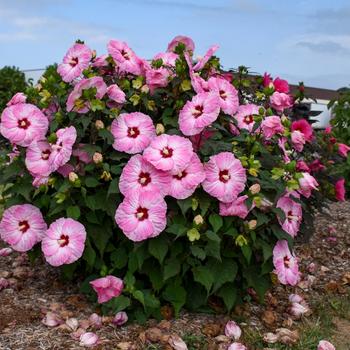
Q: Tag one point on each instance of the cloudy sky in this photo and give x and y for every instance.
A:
(295, 39)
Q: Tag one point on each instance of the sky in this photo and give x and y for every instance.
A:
(297, 40)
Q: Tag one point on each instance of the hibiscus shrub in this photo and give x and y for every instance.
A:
(167, 182)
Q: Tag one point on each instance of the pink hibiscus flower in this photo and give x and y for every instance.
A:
(38, 160)
(116, 94)
(235, 208)
(40, 180)
(75, 102)
(304, 127)
(139, 176)
(281, 85)
(188, 42)
(307, 184)
(62, 148)
(298, 140)
(302, 166)
(157, 77)
(316, 166)
(281, 101)
(225, 177)
(125, 58)
(132, 132)
(245, 116)
(81, 155)
(339, 189)
(64, 242)
(198, 113)
(22, 226)
(271, 126)
(142, 215)
(227, 93)
(23, 123)
(168, 58)
(107, 288)
(75, 61)
(285, 263)
(343, 149)
(185, 182)
(19, 97)
(293, 213)
(169, 153)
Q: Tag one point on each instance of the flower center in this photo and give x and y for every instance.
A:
(125, 54)
(141, 213)
(224, 176)
(198, 111)
(248, 119)
(166, 152)
(291, 217)
(223, 94)
(63, 241)
(144, 178)
(73, 61)
(45, 154)
(24, 123)
(180, 175)
(286, 262)
(23, 226)
(133, 132)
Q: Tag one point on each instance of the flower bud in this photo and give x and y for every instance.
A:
(254, 189)
(88, 339)
(198, 220)
(145, 89)
(6, 251)
(95, 320)
(99, 124)
(160, 129)
(72, 176)
(232, 330)
(193, 235)
(252, 224)
(120, 318)
(51, 320)
(97, 158)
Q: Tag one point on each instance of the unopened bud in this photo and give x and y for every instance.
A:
(160, 129)
(99, 124)
(254, 189)
(198, 220)
(252, 224)
(97, 158)
(145, 89)
(72, 176)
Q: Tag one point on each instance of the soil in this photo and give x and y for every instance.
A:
(33, 291)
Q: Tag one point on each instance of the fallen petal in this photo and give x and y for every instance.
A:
(88, 339)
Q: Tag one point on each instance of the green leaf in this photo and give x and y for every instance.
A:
(91, 182)
(119, 258)
(150, 300)
(138, 295)
(156, 278)
(171, 268)
(176, 295)
(204, 276)
(73, 212)
(184, 205)
(198, 252)
(224, 272)
(119, 303)
(228, 293)
(89, 254)
(213, 249)
(216, 222)
(106, 135)
(113, 187)
(158, 247)
(247, 252)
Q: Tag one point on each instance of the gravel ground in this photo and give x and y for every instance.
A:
(35, 290)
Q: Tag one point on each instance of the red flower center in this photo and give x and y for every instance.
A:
(45, 154)
(180, 175)
(141, 213)
(144, 178)
(166, 152)
(223, 94)
(290, 215)
(24, 123)
(198, 111)
(74, 61)
(286, 262)
(63, 241)
(23, 226)
(224, 176)
(125, 54)
(133, 132)
(248, 119)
